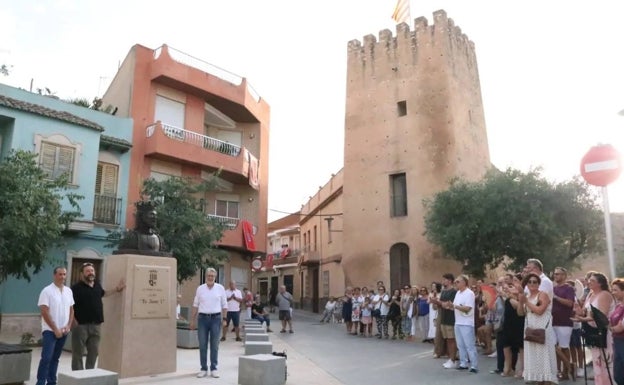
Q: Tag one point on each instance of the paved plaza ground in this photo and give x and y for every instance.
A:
(320, 354)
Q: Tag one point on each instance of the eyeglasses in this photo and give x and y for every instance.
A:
(531, 281)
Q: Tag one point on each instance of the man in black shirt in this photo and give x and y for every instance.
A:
(447, 319)
(89, 315)
(258, 312)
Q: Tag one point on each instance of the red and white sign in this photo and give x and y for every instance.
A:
(601, 165)
(256, 264)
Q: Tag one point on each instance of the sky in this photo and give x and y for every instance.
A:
(552, 73)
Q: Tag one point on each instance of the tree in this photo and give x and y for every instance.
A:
(31, 217)
(186, 230)
(515, 215)
(4, 70)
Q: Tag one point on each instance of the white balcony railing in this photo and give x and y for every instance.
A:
(194, 138)
(227, 221)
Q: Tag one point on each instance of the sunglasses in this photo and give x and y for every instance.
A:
(532, 281)
(87, 264)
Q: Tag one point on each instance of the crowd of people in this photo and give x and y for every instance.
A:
(535, 325)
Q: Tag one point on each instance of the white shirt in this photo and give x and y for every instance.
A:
(383, 308)
(233, 305)
(546, 285)
(58, 302)
(210, 300)
(464, 298)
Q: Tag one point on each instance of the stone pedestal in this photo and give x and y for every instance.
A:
(256, 337)
(14, 363)
(139, 329)
(187, 339)
(258, 347)
(261, 369)
(88, 377)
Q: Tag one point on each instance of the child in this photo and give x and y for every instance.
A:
(366, 319)
(329, 310)
(338, 311)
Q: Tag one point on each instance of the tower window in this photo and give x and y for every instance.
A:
(402, 108)
(398, 195)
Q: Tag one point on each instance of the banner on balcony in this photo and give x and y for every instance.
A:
(253, 172)
(248, 235)
(245, 162)
(269, 262)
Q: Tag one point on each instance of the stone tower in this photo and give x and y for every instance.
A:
(414, 119)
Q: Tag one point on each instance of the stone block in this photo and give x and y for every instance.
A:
(256, 337)
(261, 369)
(14, 363)
(187, 338)
(88, 377)
(254, 329)
(258, 347)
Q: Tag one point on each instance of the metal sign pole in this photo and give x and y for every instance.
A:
(607, 219)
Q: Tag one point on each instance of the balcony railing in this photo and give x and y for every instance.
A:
(194, 138)
(227, 221)
(107, 209)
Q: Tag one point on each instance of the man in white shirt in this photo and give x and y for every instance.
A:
(234, 298)
(56, 303)
(210, 310)
(464, 307)
(535, 266)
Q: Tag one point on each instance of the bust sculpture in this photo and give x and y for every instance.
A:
(144, 239)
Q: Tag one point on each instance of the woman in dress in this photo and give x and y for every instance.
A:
(356, 303)
(439, 347)
(513, 328)
(394, 314)
(600, 298)
(347, 307)
(616, 326)
(540, 360)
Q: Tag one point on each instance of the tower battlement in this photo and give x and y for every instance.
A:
(442, 36)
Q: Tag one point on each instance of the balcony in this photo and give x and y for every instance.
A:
(107, 209)
(177, 144)
(228, 92)
(229, 223)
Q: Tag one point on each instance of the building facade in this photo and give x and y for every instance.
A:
(192, 119)
(93, 148)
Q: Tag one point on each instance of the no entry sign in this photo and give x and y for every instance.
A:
(601, 165)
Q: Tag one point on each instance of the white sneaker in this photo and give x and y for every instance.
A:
(493, 355)
(580, 372)
(202, 374)
(214, 374)
(450, 364)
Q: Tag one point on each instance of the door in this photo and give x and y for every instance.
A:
(315, 290)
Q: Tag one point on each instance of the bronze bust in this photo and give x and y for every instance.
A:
(144, 239)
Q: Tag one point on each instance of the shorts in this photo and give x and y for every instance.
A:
(284, 315)
(575, 339)
(233, 316)
(562, 335)
(448, 331)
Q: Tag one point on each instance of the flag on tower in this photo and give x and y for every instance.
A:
(401, 12)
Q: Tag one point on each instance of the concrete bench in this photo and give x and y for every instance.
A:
(261, 369)
(256, 337)
(258, 347)
(14, 363)
(88, 377)
(187, 339)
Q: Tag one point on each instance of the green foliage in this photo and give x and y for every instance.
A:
(186, 230)
(82, 102)
(514, 214)
(97, 104)
(4, 70)
(31, 218)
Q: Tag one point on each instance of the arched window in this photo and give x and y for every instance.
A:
(399, 266)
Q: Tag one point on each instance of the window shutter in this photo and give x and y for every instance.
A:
(47, 159)
(98, 179)
(109, 180)
(65, 163)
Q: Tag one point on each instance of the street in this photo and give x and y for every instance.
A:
(355, 360)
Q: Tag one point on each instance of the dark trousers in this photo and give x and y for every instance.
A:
(618, 361)
(500, 355)
(85, 336)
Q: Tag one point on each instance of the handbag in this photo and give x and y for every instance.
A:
(376, 313)
(537, 335)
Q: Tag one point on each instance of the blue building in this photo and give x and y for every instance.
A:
(93, 148)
